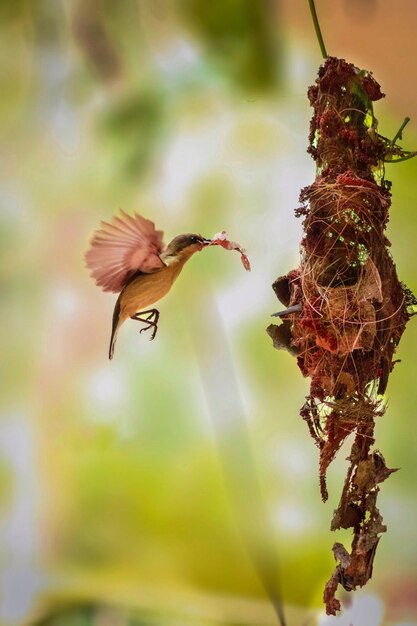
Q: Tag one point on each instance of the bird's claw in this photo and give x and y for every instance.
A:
(151, 321)
(155, 328)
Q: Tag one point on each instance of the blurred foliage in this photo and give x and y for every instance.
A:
(15, 10)
(89, 614)
(133, 129)
(242, 38)
(113, 470)
(6, 485)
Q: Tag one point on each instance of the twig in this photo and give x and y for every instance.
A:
(406, 157)
(398, 134)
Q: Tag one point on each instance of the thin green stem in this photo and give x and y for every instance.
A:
(398, 134)
(317, 28)
(408, 156)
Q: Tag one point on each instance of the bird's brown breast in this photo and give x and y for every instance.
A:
(146, 289)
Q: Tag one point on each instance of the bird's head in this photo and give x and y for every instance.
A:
(183, 246)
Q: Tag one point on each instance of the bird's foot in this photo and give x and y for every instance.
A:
(151, 321)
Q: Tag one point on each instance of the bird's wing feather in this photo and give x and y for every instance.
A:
(123, 247)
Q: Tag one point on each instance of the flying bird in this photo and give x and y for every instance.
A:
(128, 256)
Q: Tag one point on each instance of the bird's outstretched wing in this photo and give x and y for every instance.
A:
(123, 247)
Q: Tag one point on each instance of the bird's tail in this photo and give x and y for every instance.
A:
(115, 326)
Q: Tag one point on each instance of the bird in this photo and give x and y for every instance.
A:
(127, 256)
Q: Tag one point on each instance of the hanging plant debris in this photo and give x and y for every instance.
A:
(346, 308)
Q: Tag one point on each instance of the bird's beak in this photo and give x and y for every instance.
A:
(204, 242)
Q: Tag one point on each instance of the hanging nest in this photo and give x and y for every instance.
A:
(347, 310)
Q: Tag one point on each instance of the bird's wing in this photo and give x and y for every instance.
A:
(123, 247)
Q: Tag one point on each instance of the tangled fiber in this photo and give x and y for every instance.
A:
(347, 309)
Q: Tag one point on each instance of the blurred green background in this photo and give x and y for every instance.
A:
(155, 488)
